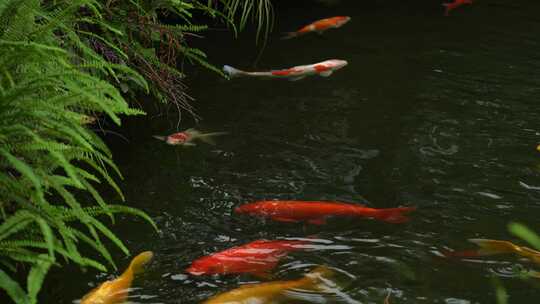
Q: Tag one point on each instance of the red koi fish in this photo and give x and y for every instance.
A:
(185, 138)
(258, 258)
(319, 26)
(453, 5)
(316, 212)
(324, 69)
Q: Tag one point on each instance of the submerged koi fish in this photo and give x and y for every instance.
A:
(258, 258)
(266, 292)
(387, 299)
(319, 26)
(315, 212)
(116, 291)
(324, 69)
(494, 247)
(186, 138)
(453, 5)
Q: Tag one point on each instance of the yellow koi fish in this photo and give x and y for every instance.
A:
(494, 247)
(266, 292)
(116, 291)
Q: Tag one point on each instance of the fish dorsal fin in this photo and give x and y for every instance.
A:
(492, 247)
(326, 73)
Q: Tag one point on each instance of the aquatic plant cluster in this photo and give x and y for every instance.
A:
(64, 67)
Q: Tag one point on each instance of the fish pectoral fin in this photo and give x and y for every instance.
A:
(317, 221)
(326, 73)
(284, 219)
(296, 78)
(189, 144)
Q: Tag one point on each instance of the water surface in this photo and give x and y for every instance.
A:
(439, 113)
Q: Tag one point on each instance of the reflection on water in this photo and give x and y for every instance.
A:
(436, 112)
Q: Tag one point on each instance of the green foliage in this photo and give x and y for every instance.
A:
(261, 12)
(134, 33)
(50, 162)
(525, 233)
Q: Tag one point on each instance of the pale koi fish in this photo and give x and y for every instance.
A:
(186, 138)
(324, 69)
(495, 247)
(116, 291)
(319, 26)
(268, 292)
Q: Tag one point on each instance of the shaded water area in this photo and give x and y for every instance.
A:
(435, 112)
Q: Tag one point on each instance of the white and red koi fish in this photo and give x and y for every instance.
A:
(453, 5)
(324, 69)
(186, 138)
(319, 26)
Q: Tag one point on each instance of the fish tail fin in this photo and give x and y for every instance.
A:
(232, 72)
(138, 262)
(289, 35)
(205, 137)
(492, 247)
(314, 278)
(163, 138)
(394, 215)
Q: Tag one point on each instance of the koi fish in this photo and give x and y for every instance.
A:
(453, 5)
(495, 247)
(315, 212)
(319, 26)
(116, 291)
(538, 148)
(324, 69)
(266, 292)
(186, 138)
(258, 258)
(387, 299)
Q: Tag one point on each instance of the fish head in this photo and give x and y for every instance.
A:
(341, 20)
(205, 265)
(335, 64)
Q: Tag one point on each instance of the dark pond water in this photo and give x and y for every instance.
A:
(435, 112)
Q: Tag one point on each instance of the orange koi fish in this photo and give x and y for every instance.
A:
(116, 291)
(453, 5)
(258, 258)
(319, 26)
(186, 138)
(324, 69)
(315, 212)
(495, 247)
(267, 292)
